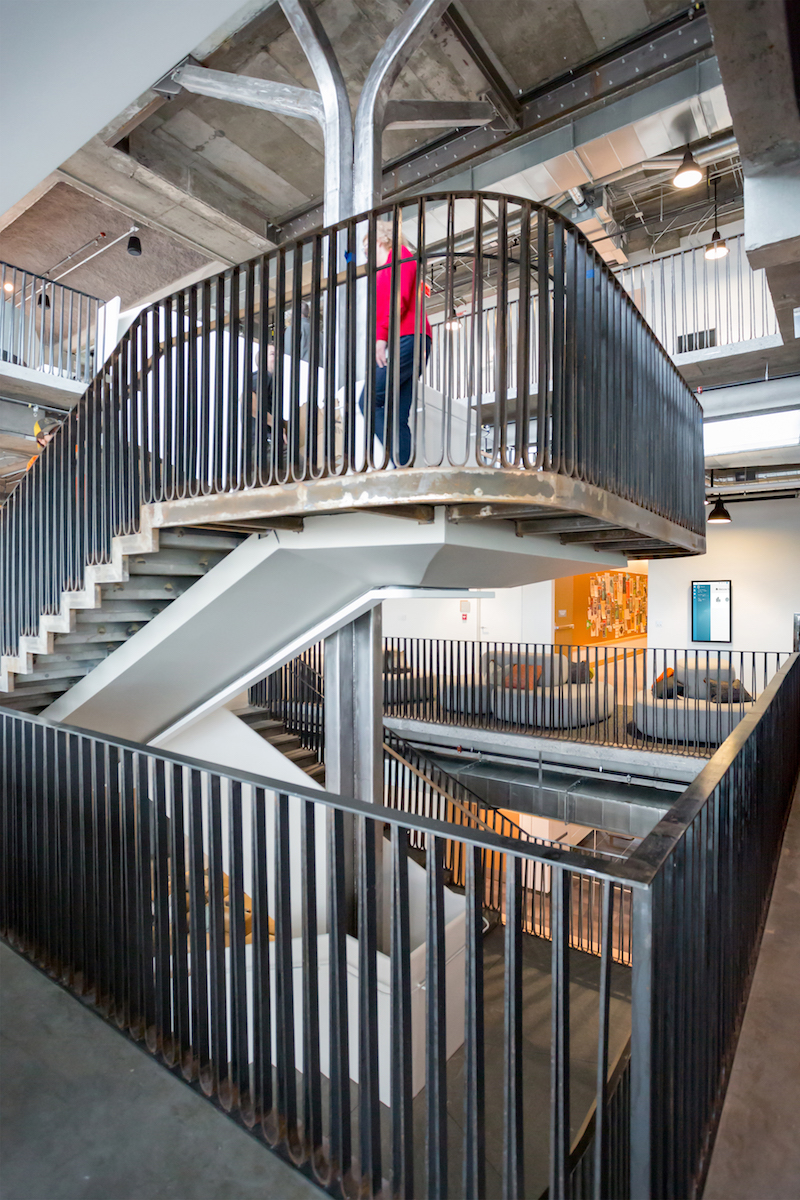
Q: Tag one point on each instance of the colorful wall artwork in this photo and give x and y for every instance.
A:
(600, 608)
(617, 605)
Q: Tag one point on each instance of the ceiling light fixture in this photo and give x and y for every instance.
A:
(719, 514)
(453, 322)
(134, 245)
(688, 173)
(8, 286)
(717, 247)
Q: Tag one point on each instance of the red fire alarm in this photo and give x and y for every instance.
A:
(463, 616)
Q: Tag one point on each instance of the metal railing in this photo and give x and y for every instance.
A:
(205, 912)
(416, 784)
(186, 405)
(49, 327)
(692, 303)
(683, 701)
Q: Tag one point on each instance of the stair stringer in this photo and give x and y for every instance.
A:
(88, 597)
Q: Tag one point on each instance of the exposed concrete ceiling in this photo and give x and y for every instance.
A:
(36, 240)
(215, 177)
(68, 66)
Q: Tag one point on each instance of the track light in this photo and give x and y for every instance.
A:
(43, 298)
(688, 173)
(134, 245)
(719, 514)
(717, 247)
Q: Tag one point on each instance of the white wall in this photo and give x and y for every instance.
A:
(521, 614)
(760, 553)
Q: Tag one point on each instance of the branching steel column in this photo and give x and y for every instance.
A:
(371, 115)
(338, 123)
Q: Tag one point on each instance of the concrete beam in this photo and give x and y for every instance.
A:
(117, 179)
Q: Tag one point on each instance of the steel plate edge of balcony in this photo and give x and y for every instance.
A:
(434, 487)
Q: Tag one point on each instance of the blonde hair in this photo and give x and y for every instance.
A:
(384, 234)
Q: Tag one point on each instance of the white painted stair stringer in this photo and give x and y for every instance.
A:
(272, 593)
(95, 575)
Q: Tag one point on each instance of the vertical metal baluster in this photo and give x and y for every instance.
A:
(436, 1047)
(312, 1094)
(162, 1031)
(216, 926)
(513, 1130)
(402, 1122)
(144, 895)
(601, 1138)
(560, 1044)
(262, 1000)
(368, 1095)
(198, 908)
(181, 1050)
(240, 1056)
(474, 1184)
(284, 982)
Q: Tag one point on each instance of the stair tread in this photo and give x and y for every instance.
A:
(196, 540)
(174, 561)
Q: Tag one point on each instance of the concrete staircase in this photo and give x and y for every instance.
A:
(276, 733)
(147, 583)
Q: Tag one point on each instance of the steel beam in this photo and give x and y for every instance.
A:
(565, 524)
(354, 709)
(595, 86)
(337, 125)
(590, 535)
(431, 114)
(354, 735)
(254, 93)
(404, 39)
(503, 90)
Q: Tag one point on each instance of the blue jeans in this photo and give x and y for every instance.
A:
(401, 453)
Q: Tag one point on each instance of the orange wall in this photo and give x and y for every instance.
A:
(571, 602)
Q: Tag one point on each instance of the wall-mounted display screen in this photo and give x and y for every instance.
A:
(711, 610)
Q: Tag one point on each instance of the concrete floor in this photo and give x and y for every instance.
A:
(757, 1152)
(86, 1115)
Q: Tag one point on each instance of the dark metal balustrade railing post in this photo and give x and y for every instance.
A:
(177, 413)
(230, 974)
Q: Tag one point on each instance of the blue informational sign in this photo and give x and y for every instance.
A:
(711, 611)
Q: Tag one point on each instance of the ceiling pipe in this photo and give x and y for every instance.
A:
(722, 147)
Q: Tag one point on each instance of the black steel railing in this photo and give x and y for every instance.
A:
(417, 784)
(188, 404)
(49, 327)
(684, 701)
(687, 701)
(205, 913)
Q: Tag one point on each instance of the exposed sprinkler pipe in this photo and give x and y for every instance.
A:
(84, 261)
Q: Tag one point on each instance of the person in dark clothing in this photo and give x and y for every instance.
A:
(263, 452)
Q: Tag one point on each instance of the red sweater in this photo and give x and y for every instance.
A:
(383, 296)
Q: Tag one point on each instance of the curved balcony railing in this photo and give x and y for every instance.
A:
(574, 391)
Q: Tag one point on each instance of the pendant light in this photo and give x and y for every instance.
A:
(717, 247)
(688, 173)
(453, 322)
(719, 513)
